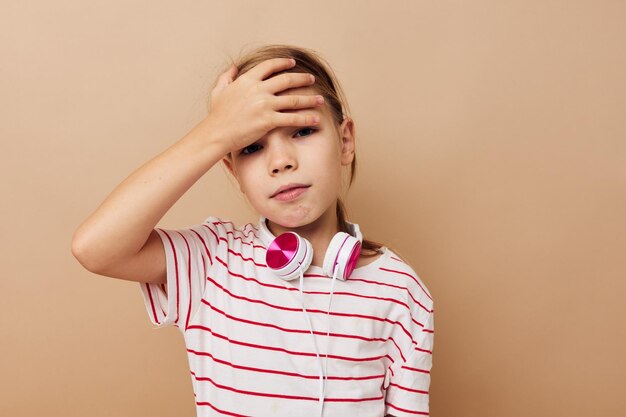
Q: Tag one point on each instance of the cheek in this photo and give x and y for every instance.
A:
(253, 184)
(331, 161)
(325, 151)
(328, 167)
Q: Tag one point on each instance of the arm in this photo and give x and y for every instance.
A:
(123, 223)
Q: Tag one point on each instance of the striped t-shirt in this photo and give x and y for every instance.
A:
(249, 346)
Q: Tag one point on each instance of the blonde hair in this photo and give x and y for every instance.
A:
(327, 85)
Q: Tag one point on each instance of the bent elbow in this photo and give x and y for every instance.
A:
(81, 251)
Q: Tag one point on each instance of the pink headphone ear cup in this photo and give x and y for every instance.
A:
(288, 254)
(342, 254)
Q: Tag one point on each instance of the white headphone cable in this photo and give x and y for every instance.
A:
(332, 286)
(319, 360)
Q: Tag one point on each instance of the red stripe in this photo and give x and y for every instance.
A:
(242, 242)
(228, 413)
(246, 259)
(396, 259)
(233, 231)
(350, 294)
(418, 391)
(290, 397)
(424, 350)
(175, 269)
(189, 279)
(421, 413)
(233, 226)
(408, 275)
(424, 371)
(217, 239)
(387, 285)
(206, 247)
(274, 371)
(165, 292)
(278, 349)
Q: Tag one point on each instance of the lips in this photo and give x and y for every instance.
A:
(291, 194)
(288, 187)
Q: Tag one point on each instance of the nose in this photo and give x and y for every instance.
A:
(281, 156)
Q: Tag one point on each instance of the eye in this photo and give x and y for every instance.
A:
(250, 149)
(305, 129)
(243, 151)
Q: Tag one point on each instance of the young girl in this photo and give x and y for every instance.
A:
(298, 315)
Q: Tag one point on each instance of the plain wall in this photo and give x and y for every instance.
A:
(491, 143)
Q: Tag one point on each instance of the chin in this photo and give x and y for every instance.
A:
(292, 220)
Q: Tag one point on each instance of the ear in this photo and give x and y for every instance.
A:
(348, 138)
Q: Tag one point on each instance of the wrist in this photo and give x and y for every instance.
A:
(206, 134)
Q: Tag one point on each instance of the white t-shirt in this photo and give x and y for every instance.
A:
(248, 342)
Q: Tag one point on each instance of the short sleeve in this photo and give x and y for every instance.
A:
(408, 392)
(190, 254)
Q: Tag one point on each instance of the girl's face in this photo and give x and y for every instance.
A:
(312, 155)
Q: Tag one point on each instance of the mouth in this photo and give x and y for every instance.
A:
(288, 187)
(289, 192)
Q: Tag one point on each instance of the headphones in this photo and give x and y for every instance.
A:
(289, 252)
(289, 255)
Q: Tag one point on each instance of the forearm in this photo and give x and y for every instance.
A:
(122, 223)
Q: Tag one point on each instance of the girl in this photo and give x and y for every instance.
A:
(353, 338)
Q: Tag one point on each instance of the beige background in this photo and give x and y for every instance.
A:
(492, 144)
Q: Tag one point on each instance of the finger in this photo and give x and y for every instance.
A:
(294, 119)
(297, 101)
(226, 77)
(288, 80)
(232, 72)
(266, 68)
